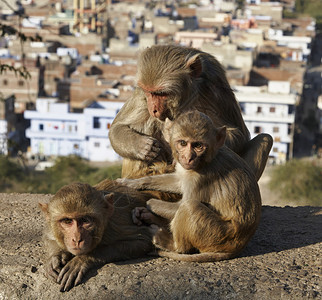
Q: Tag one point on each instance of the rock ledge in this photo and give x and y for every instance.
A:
(282, 261)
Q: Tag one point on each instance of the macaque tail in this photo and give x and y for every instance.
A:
(198, 257)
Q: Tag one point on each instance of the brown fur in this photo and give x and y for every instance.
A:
(173, 79)
(110, 236)
(221, 203)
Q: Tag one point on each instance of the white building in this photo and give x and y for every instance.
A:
(3, 137)
(7, 123)
(270, 110)
(54, 131)
(299, 46)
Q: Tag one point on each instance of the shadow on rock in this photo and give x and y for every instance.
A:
(283, 228)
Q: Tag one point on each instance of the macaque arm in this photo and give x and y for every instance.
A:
(163, 209)
(256, 153)
(128, 142)
(164, 183)
(58, 258)
(73, 272)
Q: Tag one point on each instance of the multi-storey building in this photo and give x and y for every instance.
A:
(270, 110)
(55, 131)
(7, 122)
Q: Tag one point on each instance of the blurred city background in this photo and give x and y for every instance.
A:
(67, 67)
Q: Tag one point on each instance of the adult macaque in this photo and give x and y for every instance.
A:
(85, 229)
(170, 80)
(221, 203)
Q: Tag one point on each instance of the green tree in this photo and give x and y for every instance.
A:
(65, 171)
(10, 172)
(7, 30)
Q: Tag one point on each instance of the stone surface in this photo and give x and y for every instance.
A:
(282, 261)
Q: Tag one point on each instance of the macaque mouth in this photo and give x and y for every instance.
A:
(189, 165)
(78, 251)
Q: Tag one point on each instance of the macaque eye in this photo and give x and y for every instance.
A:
(160, 94)
(85, 220)
(66, 221)
(198, 146)
(183, 143)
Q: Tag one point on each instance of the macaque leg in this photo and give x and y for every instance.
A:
(256, 153)
(180, 227)
(163, 209)
(163, 239)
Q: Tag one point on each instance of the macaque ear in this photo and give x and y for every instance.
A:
(195, 65)
(221, 136)
(44, 209)
(166, 129)
(109, 198)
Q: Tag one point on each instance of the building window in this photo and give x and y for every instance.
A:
(96, 123)
(41, 127)
(96, 144)
(108, 125)
(76, 146)
(75, 127)
(20, 83)
(277, 139)
(276, 129)
(242, 107)
(275, 149)
(291, 109)
(272, 109)
(259, 109)
(289, 128)
(5, 82)
(258, 129)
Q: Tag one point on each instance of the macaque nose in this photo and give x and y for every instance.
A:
(77, 241)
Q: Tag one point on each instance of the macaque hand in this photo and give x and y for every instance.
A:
(56, 263)
(73, 273)
(148, 149)
(141, 215)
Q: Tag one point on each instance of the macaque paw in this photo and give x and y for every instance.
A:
(150, 149)
(56, 263)
(72, 273)
(141, 215)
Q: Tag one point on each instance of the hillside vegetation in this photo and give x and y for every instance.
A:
(15, 178)
(311, 8)
(298, 180)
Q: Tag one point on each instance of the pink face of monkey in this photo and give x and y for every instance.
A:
(78, 233)
(189, 152)
(156, 102)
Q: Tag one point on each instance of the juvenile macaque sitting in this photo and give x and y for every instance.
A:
(221, 203)
(86, 229)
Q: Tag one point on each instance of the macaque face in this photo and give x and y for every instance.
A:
(190, 152)
(78, 233)
(156, 101)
